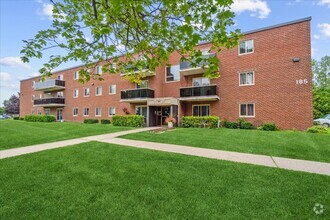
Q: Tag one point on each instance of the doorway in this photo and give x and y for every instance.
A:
(59, 114)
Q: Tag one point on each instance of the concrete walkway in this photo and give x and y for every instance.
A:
(269, 161)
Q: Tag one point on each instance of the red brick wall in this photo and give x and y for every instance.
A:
(276, 95)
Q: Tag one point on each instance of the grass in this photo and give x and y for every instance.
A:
(21, 133)
(290, 144)
(102, 181)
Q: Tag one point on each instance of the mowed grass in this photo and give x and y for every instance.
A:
(102, 181)
(21, 133)
(290, 144)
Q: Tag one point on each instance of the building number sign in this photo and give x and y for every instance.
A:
(301, 81)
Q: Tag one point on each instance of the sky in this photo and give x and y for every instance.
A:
(22, 19)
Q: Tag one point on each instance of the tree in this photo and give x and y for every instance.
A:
(12, 105)
(145, 31)
(321, 87)
(2, 110)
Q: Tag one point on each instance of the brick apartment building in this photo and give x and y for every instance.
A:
(267, 78)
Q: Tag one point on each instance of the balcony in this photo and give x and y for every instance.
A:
(137, 95)
(199, 93)
(49, 102)
(145, 72)
(187, 69)
(50, 85)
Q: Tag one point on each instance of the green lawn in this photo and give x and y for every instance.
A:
(102, 181)
(21, 133)
(291, 144)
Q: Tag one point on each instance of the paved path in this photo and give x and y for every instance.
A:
(276, 162)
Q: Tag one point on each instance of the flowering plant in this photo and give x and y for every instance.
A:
(170, 119)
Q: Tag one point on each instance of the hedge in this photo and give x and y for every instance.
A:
(16, 118)
(40, 118)
(21, 118)
(105, 121)
(232, 125)
(200, 122)
(268, 127)
(128, 120)
(91, 121)
(246, 125)
(317, 129)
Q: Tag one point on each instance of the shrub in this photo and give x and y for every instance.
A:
(200, 122)
(91, 121)
(40, 118)
(268, 127)
(21, 118)
(317, 129)
(105, 121)
(240, 121)
(16, 118)
(128, 120)
(246, 125)
(232, 125)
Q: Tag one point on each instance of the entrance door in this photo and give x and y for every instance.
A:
(166, 111)
(59, 114)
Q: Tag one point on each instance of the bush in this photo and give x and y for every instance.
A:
(16, 118)
(21, 118)
(317, 129)
(246, 125)
(91, 121)
(200, 122)
(128, 120)
(40, 118)
(105, 121)
(232, 125)
(268, 127)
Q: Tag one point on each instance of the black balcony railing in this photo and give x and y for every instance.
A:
(49, 101)
(198, 91)
(48, 84)
(137, 93)
(187, 65)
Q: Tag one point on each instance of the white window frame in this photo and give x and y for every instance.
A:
(239, 51)
(39, 112)
(109, 111)
(192, 81)
(40, 96)
(137, 85)
(76, 75)
(96, 89)
(192, 109)
(32, 111)
(84, 111)
(60, 77)
(167, 77)
(99, 70)
(33, 83)
(73, 112)
(115, 89)
(74, 93)
(47, 110)
(239, 78)
(89, 92)
(247, 116)
(99, 111)
(33, 98)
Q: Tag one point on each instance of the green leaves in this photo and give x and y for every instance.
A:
(93, 31)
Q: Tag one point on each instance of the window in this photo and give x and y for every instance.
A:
(172, 73)
(246, 78)
(86, 111)
(246, 47)
(39, 112)
(144, 84)
(86, 92)
(99, 70)
(246, 110)
(60, 77)
(75, 93)
(201, 110)
(112, 89)
(40, 96)
(113, 66)
(33, 82)
(32, 111)
(76, 75)
(142, 110)
(47, 111)
(32, 98)
(60, 94)
(112, 111)
(98, 90)
(75, 111)
(201, 81)
(98, 111)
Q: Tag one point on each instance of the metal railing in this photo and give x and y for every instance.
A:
(49, 101)
(198, 91)
(137, 93)
(50, 83)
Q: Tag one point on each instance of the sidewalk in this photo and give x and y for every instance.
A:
(262, 160)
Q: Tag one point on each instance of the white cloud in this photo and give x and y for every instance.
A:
(316, 36)
(4, 76)
(256, 7)
(46, 11)
(325, 29)
(14, 62)
(324, 2)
